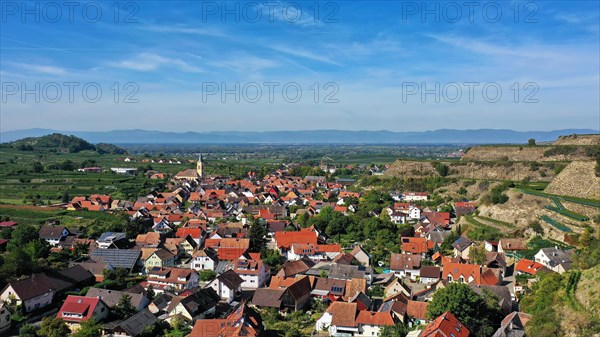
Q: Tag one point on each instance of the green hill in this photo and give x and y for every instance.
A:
(57, 142)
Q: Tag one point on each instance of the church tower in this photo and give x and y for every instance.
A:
(199, 167)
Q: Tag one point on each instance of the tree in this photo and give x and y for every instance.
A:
(37, 249)
(89, 328)
(385, 216)
(541, 303)
(124, 309)
(38, 167)
(477, 254)
(258, 236)
(16, 263)
(469, 308)
(53, 327)
(536, 227)
(272, 258)
(441, 169)
(22, 235)
(585, 238)
(375, 291)
(397, 330)
(5, 233)
(207, 275)
(150, 293)
(28, 330)
(135, 227)
(531, 142)
(180, 328)
(65, 197)
(450, 239)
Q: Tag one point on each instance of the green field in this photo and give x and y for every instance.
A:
(19, 183)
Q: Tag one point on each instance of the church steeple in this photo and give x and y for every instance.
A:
(200, 167)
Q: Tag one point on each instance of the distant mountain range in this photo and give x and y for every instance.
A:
(442, 136)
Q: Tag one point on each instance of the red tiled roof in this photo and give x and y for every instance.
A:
(374, 318)
(343, 314)
(278, 282)
(528, 266)
(7, 224)
(230, 254)
(417, 309)
(195, 233)
(462, 269)
(235, 243)
(243, 322)
(78, 305)
(445, 325)
(286, 239)
(416, 245)
(405, 261)
(489, 278)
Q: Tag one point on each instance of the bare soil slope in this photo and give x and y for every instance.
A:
(578, 180)
(521, 153)
(475, 170)
(578, 140)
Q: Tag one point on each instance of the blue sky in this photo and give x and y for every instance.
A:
(371, 62)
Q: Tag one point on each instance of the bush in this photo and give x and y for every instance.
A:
(560, 150)
(441, 168)
(207, 275)
(536, 227)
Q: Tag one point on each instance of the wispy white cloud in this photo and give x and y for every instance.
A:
(303, 53)
(37, 69)
(246, 63)
(177, 29)
(51, 70)
(150, 62)
(577, 18)
(519, 50)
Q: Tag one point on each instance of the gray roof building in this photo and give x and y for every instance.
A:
(118, 258)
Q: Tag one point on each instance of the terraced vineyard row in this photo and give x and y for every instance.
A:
(497, 222)
(567, 213)
(581, 201)
(555, 223)
(482, 231)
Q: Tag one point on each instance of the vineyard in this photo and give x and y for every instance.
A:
(582, 201)
(555, 223)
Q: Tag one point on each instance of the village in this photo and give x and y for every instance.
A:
(215, 257)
